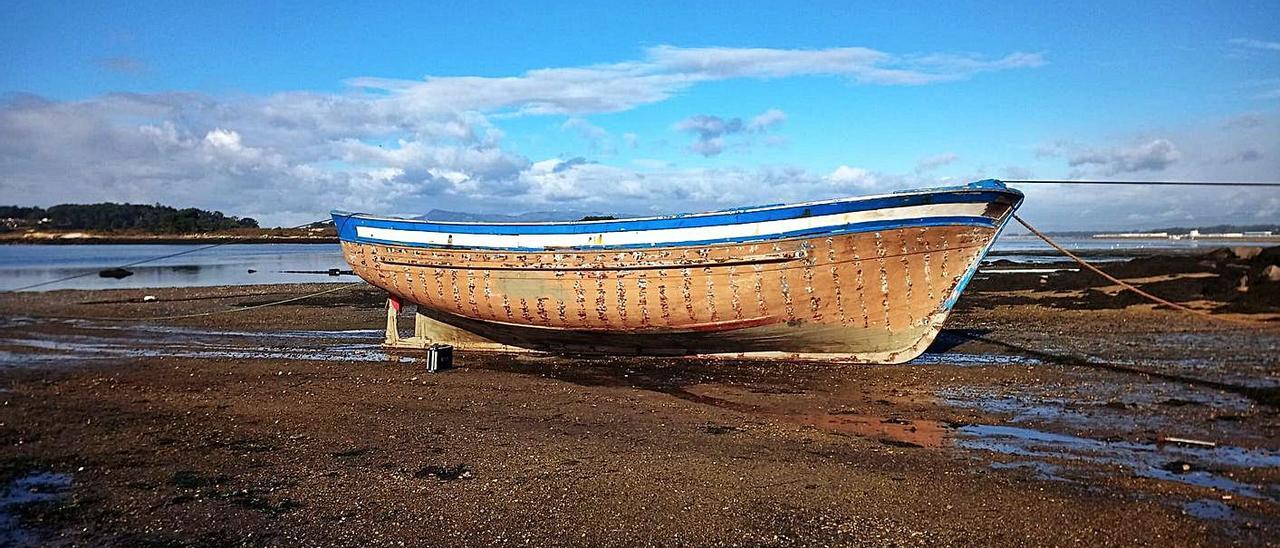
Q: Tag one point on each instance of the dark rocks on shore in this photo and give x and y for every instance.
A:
(1238, 279)
(116, 273)
(1247, 279)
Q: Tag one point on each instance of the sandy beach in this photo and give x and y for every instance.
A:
(1049, 412)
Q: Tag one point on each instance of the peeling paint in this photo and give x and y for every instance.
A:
(744, 294)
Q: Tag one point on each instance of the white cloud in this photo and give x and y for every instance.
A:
(767, 120)
(1150, 156)
(1252, 43)
(705, 146)
(1147, 155)
(596, 136)
(666, 70)
(934, 162)
(853, 177)
(707, 125)
(713, 131)
(863, 65)
(223, 139)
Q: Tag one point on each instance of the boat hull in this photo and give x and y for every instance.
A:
(865, 296)
(868, 279)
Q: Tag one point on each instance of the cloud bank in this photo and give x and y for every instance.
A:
(407, 146)
(394, 145)
(666, 70)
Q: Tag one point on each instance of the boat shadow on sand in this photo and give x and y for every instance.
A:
(671, 377)
(951, 338)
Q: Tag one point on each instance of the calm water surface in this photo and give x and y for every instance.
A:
(22, 265)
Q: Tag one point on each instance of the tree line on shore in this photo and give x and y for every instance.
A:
(108, 216)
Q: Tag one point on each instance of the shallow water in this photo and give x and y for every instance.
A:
(1209, 465)
(33, 488)
(23, 265)
(1208, 509)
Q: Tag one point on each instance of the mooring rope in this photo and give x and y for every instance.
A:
(1131, 287)
(214, 312)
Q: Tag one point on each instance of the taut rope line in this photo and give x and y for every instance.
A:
(215, 312)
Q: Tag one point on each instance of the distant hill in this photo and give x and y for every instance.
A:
(157, 218)
(531, 217)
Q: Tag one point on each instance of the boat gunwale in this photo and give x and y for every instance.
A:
(852, 228)
(987, 186)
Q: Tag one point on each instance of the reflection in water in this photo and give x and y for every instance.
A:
(235, 264)
(1208, 509)
(34, 488)
(1147, 460)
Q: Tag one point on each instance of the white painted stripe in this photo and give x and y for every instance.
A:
(670, 235)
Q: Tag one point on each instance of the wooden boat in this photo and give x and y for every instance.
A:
(867, 279)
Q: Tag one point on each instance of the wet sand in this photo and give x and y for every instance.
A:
(1041, 416)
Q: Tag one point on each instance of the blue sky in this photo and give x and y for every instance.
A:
(283, 112)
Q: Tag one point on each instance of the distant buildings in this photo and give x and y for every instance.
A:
(1193, 235)
(1143, 235)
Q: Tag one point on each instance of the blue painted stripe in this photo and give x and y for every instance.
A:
(347, 222)
(872, 226)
